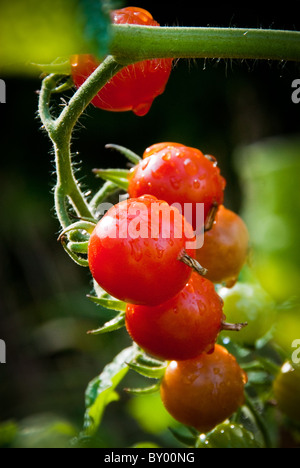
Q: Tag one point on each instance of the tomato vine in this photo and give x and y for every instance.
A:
(129, 44)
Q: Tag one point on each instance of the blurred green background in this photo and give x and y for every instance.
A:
(239, 111)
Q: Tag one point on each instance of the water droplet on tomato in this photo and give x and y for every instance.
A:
(167, 156)
(175, 182)
(190, 167)
(196, 184)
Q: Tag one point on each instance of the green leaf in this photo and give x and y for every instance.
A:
(145, 445)
(113, 325)
(8, 431)
(101, 391)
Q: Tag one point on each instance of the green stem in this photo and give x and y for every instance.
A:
(84, 95)
(134, 43)
(60, 131)
(259, 421)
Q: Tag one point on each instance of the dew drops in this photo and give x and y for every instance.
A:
(196, 184)
(167, 156)
(190, 167)
(175, 182)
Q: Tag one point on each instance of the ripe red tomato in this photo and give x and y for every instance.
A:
(135, 249)
(225, 248)
(204, 391)
(182, 327)
(136, 86)
(178, 174)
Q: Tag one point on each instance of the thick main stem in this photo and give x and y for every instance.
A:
(133, 42)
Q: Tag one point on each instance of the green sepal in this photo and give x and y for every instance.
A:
(185, 439)
(107, 189)
(130, 155)
(117, 176)
(146, 371)
(78, 247)
(113, 325)
(87, 226)
(143, 391)
(149, 361)
(76, 258)
(108, 303)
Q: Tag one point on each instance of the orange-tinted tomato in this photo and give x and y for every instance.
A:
(204, 391)
(225, 248)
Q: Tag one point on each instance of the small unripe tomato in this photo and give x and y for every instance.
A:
(134, 251)
(204, 391)
(247, 302)
(225, 247)
(286, 388)
(136, 86)
(228, 435)
(180, 175)
(182, 327)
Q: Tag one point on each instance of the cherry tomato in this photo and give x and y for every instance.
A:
(228, 435)
(225, 247)
(134, 251)
(286, 388)
(181, 175)
(182, 327)
(247, 302)
(204, 391)
(136, 86)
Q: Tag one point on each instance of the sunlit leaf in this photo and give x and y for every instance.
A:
(101, 391)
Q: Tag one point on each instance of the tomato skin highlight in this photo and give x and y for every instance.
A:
(225, 248)
(178, 174)
(182, 327)
(204, 391)
(134, 251)
(136, 86)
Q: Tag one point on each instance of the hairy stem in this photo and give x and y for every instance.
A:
(133, 42)
(60, 131)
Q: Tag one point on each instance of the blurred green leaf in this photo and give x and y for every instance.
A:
(149, 412)
(44, 431)
(270, 177)
(40, 32)
(145, 445)
(8, 431)
(101, 391)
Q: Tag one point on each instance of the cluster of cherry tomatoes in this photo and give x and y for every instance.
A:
(144, 251)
